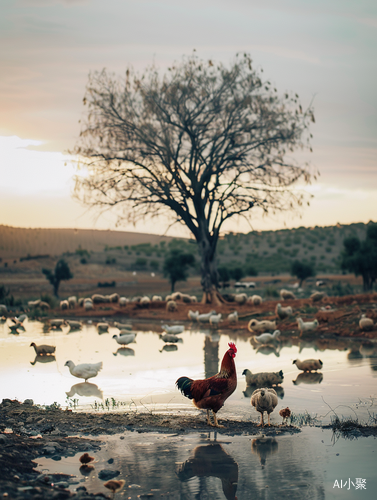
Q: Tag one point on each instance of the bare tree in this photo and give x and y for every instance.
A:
(203, 143)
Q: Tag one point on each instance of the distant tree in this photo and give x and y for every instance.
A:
(302, 270)
(61, 273)
(204, 143)
(360, 257)
(176, 266)
(224, 275)
(251, 271)
(237, 273)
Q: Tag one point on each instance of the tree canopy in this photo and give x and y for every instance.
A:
(61, 272)
(203, 143)
(360, 257)
(302, 270)
(176, 266)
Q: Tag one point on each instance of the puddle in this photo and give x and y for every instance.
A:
(142, 376)
(311, 465)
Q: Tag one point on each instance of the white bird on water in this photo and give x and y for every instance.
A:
(85, 370)
(174, 329)
(125, 338)
(266, 338)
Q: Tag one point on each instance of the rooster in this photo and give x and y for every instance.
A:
(211, 393)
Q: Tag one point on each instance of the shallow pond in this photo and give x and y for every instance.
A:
(311, 465)
(142, 376)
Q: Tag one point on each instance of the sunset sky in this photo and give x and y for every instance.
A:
(321, 49)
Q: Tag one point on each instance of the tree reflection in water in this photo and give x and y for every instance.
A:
(211, 357)
(211, 461)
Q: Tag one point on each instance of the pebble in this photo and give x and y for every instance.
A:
(110, 461)
(106, 474)
(28, 402)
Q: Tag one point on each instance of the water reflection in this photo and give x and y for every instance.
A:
(40, 358)
(85, 389)
(125, 351)
(264, 447)
(211, 461)
(308, 378)
(169, 348)
(269, 349)
(211, 357)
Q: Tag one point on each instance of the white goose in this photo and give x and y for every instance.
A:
(174, 329)
(265, 338)
(85, 370)
(124, 339)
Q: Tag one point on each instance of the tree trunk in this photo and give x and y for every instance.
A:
(56, 288)
(208, 269)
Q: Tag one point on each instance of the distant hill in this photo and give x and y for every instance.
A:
(267, 252)
(18, 242)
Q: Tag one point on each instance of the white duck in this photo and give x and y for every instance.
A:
(174, 329)
(193, 315)
(307, 326)
(204, 318)
(266, 338)
(124, 339)
(85, 370)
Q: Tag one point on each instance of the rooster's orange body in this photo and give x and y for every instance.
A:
(211, 393)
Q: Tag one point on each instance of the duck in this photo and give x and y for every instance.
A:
(114, 485)
(307, 326)
(43, 349)
(283, 312)
(174, 329)
(193, 315)
(125, 339)
(84, 370)
(266, 338)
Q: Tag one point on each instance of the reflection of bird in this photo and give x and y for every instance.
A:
(86, 470)
(266, 338)
(167, 337)
(74, 325)
(43, 349)
(124, 351)
(285, 413)
(263, 378)
(269, 349)
(212, 461)
(251, 388)
(123, 326)
(85, 370)
(85, 459)
(174, 329)
(115, 485)
(125, 339)
(263, 447)
(308, 365)
(21, 318)
(264, 400)
(169, 348)
(43, 359)
(102, 327)
(211, 393)
(85, 389)
(308, 378)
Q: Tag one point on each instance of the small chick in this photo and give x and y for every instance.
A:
(115, 485)
(85, 459)
(285, 413)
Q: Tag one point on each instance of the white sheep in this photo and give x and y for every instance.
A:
(186, 298)
(215, 319)
(171, 306)
(114, 297)
(262, 379)
(261, 326)
(99, 299)
(33, 303)
(88, 305)
(283, 312)
(256, 300)
(72, 302)
(307, 326)
(168, 297)
(145, 301)
(81, 301)
(286, 294)
(194, 299)
(308, 365)
(176, 296)
(156, 298)
(233, 317)
(123, 301)
(264, 400)
(240, 298)
(317, 296)
(63, 304)
(365, 323)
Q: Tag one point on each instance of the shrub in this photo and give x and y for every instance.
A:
(141, 262)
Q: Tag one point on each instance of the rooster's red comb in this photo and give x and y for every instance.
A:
(232, 346)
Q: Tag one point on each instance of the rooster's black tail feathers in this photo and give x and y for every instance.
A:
(184, 385)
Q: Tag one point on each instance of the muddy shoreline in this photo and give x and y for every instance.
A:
(28, 432)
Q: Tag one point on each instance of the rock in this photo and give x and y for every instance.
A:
(110, 461)
(3, 438)
(28, 402)
(106, 474)
(62, 484)
(49, 450)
